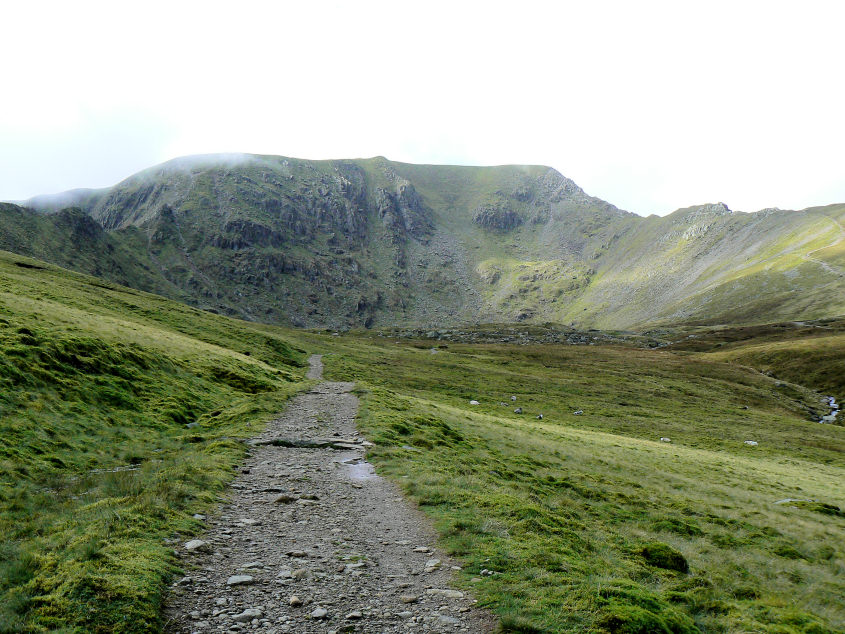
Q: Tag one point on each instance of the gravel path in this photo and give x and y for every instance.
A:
(313, 541)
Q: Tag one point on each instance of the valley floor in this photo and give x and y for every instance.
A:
(677, 490)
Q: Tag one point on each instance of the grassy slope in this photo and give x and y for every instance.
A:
(566, 509)
(95, 377)
(577, 515)
(72, 240)
(812, 354)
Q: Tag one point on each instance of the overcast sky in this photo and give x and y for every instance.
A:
(649, 105)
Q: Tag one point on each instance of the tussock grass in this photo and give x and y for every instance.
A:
(590, 523)
(120, 415)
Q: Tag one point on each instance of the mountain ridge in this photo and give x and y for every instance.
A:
(372, 242)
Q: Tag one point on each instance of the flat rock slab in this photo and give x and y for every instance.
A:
(338, 551)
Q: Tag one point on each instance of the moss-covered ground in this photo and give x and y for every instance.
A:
(121, 415)
(588, 522)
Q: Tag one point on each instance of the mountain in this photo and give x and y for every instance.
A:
(372, 242)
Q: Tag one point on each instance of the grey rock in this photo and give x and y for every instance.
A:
(197, 545)
(240, 580)
(445, 592)
(247, 615)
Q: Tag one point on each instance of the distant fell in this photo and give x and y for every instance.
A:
(372, 242)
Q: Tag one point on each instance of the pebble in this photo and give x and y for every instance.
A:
(294, 601)
(445, 592)
(197, 545)
(240, 580)
(319, 613)
(247, 615)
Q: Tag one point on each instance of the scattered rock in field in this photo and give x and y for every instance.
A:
(198, 516)
(251, 565)
(240, 580)
(245, 521)
(247, 615)
(518, 410)
(197, 545)
(285, 498)
(445, 592)
(319, 613)
(474, 403)
(513, 398)
(409, 598)
(431, 565)
(664, 439)
(356, 614)
(294, 601)
(578, 412)
(788, 500)
(751, 443)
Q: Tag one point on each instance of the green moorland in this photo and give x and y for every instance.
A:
(812, 353)
(119, 418)
(121, 414)
(588, 521)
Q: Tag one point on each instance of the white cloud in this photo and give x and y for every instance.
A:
(651, 106)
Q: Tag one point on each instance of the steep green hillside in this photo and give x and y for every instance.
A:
(119, 418)
(378, 243)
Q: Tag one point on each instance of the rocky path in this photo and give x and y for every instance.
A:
(313, 541)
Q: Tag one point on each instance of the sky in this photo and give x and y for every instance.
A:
(651, 106)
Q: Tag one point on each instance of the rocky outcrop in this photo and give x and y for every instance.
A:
(497, 216)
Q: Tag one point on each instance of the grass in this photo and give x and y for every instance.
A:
(812, 354)
(120, 415)
(590, 523)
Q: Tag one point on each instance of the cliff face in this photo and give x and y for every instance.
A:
(373, 242)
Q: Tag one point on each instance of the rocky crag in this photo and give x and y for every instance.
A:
(364, 243)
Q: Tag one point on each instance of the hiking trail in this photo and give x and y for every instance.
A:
(312, 540)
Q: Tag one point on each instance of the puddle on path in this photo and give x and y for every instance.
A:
(359, 469)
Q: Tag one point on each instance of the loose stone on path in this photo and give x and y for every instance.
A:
(312, 540)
